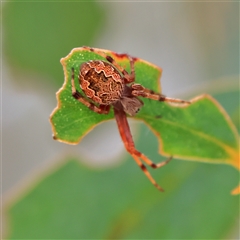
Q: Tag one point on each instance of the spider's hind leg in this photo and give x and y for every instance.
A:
(129, 144)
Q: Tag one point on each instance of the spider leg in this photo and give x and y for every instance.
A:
(127, 77)
(129, 144)
(140, 91)
(102, 109)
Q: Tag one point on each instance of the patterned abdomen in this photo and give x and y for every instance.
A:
(101, 82)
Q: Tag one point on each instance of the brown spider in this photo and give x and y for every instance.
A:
(107, 84)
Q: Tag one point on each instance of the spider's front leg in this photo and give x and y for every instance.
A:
(102, 109)
(139, 91)
(126, 136)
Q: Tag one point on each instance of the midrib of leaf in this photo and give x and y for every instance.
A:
(233, 153)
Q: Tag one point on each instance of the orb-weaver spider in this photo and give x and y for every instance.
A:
(105, 84)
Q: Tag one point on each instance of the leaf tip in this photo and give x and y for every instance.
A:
(62, 61)
(236, 190)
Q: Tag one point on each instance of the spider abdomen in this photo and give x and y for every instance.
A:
(101, 82)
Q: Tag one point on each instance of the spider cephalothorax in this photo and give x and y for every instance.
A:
(105, 84)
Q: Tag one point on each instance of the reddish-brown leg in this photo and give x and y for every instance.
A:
(127, 77)
(126, 136)
(140, 91)
(102, 109)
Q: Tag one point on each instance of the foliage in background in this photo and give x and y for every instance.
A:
(48, 27)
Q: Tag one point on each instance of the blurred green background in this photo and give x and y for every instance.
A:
(53, 190)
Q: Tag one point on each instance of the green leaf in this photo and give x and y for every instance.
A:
(38, 32)
(201, 131)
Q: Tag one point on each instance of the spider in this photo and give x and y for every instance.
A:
(106, 84)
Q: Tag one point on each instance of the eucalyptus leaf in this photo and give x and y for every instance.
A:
(201, 131)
